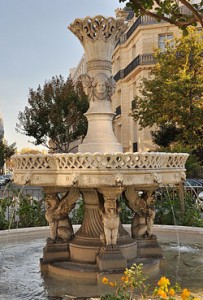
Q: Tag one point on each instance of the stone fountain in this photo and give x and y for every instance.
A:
(101, 174)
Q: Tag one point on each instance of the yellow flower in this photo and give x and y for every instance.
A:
(171, 292)
(126, 279)
(162, 294)
(112, 284)
(185, 294)
(123, 278)
(164, 281)
(105, 280)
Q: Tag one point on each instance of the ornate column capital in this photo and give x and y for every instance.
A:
(98, 27)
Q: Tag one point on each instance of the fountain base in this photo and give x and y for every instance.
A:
(95, 262)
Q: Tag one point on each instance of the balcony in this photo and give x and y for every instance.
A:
(143, 59)
(142, 20)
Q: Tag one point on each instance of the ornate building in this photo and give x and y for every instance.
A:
(132, 60)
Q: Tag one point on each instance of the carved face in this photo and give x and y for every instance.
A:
(101, 86)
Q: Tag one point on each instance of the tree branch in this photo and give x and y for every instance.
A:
(177, 23)
(198, 16)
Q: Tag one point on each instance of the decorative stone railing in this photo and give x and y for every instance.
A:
(95, 169)
(71, 161)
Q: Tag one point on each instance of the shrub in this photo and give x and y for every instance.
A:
(21, 210)
(168, 209)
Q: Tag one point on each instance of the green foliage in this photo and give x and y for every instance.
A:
(193, 166)
(174, 93)
(6, 152)
(169, 11)
(126, 214)
(168, 209)
(78, 212)
(166, 134)
(24, 211)
(55, 112)
(31, 213)
(4, 206)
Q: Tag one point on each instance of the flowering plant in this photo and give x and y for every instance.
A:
(132, 282)
(133, 286)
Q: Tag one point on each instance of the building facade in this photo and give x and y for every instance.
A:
(79, 70)
(132, 61)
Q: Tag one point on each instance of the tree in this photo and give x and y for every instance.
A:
(173, 94)
(165, 135)
(6, 152)
(54, 115)
(170, 11)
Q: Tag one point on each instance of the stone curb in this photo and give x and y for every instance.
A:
(171, 228)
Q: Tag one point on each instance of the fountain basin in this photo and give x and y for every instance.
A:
(95, 170)
(21, 249)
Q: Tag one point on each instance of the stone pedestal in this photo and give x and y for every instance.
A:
(148, 248)
(56, 252)
(111, 258)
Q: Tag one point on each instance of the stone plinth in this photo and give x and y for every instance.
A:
(56, 252)
(111, 258)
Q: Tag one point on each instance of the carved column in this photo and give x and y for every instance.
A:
(99, 36)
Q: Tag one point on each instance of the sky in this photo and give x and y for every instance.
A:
(35, 45)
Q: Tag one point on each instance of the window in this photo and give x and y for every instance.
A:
(163, 38)
(135, 147)
(118, 110)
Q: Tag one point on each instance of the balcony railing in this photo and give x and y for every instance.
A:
(143, 59)
(142, 20)
(146, 20)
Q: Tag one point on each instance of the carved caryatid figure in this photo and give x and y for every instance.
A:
(143, 206)
(111, 221)
(57, 211)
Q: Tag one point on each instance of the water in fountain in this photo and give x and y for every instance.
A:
(20, 278)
